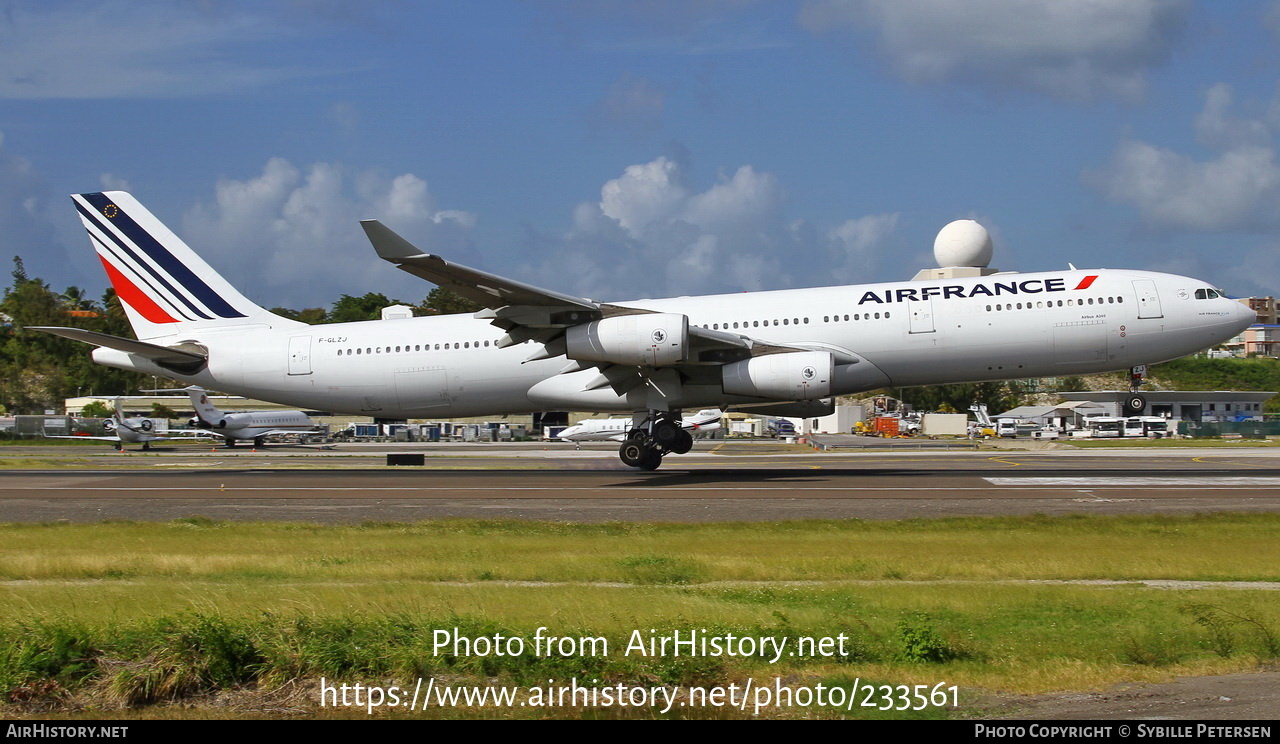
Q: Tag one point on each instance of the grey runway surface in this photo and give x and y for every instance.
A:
(591, 486)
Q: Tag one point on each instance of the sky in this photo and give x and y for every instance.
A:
(619, 150)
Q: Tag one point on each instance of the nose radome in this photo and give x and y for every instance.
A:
(1245, 316)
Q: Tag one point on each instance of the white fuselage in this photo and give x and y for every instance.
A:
(1004, 326)
(262, 423)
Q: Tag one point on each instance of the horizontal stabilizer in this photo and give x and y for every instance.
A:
(163, 355)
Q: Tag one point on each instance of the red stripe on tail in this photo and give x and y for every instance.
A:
(137, 299)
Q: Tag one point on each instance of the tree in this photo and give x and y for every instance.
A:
(998, 396)
(160, 410)
(310, 315)
(349, 309)
(38, 370)
(441, 301)
(96, 409)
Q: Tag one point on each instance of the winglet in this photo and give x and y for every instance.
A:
(387, 242)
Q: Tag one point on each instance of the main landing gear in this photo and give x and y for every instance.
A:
(658, 433)
(1134, 402)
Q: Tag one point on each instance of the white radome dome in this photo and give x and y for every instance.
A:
(963, 243)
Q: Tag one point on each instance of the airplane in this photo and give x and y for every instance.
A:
(598, 430)
(780, 352)
(255, 425)
(127, 430)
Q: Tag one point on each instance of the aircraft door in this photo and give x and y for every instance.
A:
(921, 315)
(299, 355)
(1148, 299)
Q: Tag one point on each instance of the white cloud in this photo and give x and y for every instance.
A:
(24, 221)
(653, 235)
(1238, 189)
(856, 246)
(1217, 128)
(111, 182)
(1073, 50)
(120, 49)
(289, 237)
(644, 194)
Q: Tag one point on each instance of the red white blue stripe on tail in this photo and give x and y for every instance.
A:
(161, 281)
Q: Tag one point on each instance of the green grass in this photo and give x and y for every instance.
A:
(125, 614)
(979, 548)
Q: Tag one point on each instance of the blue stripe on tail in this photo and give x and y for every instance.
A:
(161, 255)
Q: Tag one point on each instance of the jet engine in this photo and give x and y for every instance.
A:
(801, 375)
(649, 339)
(233, 420)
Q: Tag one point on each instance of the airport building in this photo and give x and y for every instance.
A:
(1070, 415)
(1184, 405)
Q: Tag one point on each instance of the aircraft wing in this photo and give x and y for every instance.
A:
(487, 289)
(530, 313)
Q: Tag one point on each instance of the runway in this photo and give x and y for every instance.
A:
(591, 486)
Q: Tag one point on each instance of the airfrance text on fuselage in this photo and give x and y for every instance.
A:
(948, 291)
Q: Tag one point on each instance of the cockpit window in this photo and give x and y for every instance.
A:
(1208, 294)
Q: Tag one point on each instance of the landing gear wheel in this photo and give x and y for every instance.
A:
(651, 460)
(260, 442)
(683, 443)
(1134, 405)
(146, 445)
(667, 433)
(632, 452)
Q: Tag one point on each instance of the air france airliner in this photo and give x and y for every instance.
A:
(781, 352)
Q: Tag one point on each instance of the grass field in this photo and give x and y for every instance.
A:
(125, 614)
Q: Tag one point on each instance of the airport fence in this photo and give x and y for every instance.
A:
(1250, 429)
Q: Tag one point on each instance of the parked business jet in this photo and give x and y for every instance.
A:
(255, 425)
(616, 429)
(136, 430)
(786, 352)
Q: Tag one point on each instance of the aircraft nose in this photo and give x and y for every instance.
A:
(1245, 316)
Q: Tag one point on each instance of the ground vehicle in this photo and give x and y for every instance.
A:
(782, 428)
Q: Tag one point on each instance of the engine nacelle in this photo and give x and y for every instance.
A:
(801, 375)
(233, 420)
(647, 340)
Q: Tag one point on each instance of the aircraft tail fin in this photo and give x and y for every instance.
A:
(166, 289)
(205, 410)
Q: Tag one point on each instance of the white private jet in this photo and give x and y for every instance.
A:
(135, 430)
(255, 425)
(785, 352)
(616, 429)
